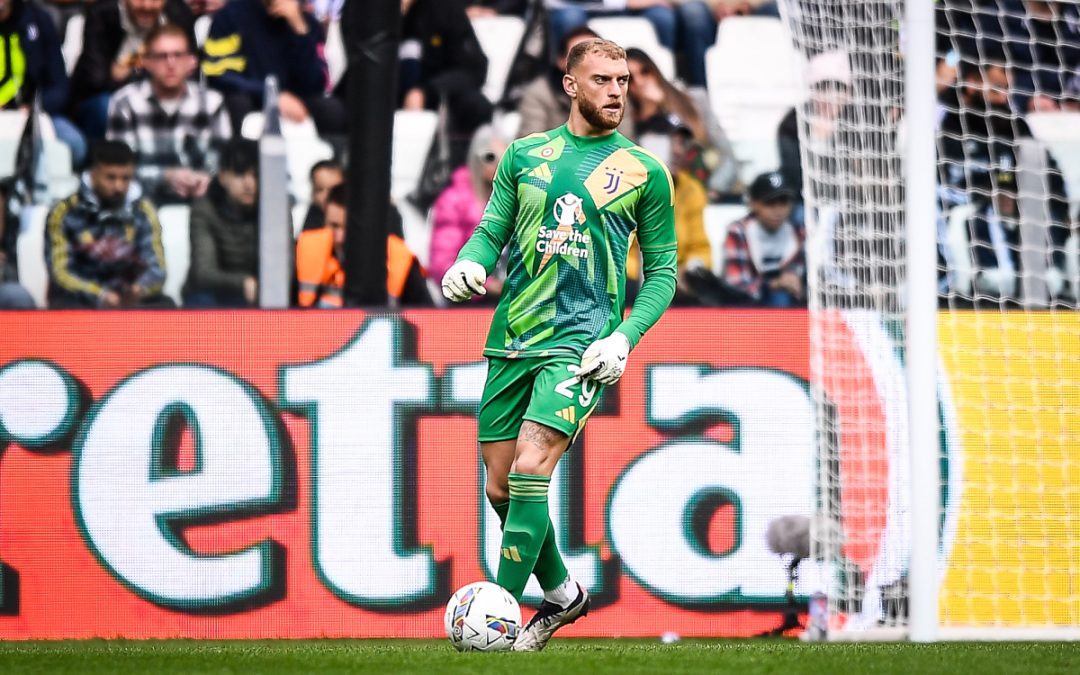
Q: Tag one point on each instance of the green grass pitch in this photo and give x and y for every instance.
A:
(563, 656)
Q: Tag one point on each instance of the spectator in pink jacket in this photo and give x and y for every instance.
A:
(457, 211)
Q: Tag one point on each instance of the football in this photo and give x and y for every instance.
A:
(482, 617)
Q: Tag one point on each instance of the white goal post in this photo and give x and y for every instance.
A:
(941, 192)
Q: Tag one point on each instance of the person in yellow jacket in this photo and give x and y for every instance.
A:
(694, 253)
(321, 277)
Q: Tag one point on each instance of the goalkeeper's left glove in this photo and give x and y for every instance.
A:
(605, 360)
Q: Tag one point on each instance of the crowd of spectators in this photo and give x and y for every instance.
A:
(152, 118)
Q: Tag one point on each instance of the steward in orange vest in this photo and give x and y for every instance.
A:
(321, 278)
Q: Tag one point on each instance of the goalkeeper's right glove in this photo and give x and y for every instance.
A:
(463, 280)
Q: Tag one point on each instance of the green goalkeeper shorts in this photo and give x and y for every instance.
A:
(542, 390)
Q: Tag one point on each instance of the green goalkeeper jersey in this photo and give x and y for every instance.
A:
(569, 207)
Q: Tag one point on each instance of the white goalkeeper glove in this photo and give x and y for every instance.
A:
(605, 360)
(463, 280)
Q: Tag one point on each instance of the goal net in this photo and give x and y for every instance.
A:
(1007, 138)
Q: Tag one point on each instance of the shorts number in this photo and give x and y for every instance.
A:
(563, 388)
(588, 389)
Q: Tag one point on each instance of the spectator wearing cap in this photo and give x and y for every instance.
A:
(829, 77)
(764, 251)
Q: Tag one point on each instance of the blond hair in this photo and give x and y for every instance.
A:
(594, 46)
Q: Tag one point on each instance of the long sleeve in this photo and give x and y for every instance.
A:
(490, 237)
(151, 250)
(220, 133)
(121, 127)
(690, 204)
(224, 62)
(54, 86)
(60, 257)
(656, 236)
(206, 272)
(93, 72)
(307, 69)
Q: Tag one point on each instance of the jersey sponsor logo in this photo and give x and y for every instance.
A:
(566, 239)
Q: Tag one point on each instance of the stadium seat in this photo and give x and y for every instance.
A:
(508, 123)
(336, 60)
(634, 31)
(961, 269)
(176, 240)
(30, 249)
(73, 41)
(252, 127)
(1060, 133)
(500, 38)
(718, 217)
(59, 175)
(753, 80)
(11, 127)
(414, 131)
(202, 29)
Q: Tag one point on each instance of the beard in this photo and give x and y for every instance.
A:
(598, 116)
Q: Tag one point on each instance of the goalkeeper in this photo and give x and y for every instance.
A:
(568, 202)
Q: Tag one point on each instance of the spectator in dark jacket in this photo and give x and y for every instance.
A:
(43, 71)
(764, 258)
(225, 233)
(103, 243)
(441, 61)
(112, 52)
(251, 39)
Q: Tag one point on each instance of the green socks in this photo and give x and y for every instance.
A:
(550, 570)
(528, 544)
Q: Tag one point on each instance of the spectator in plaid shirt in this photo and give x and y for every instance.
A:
(174, 126)
(763, 255)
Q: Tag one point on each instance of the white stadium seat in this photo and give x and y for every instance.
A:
(717, 219)
(634, 31)
(500, 38)
(30, 249)
(336, 60)
(202, 29)
(176, 240)
(414, 131)
(73, 41)
(753, 80)
(1060, 133)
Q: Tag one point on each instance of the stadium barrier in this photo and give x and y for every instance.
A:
(314, 474)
